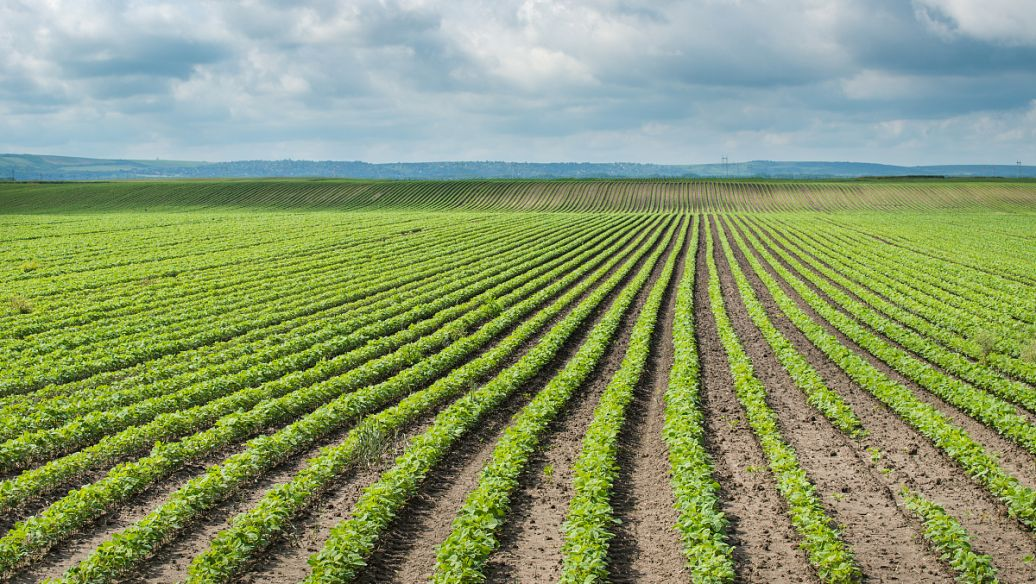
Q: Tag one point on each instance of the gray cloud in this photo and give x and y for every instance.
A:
(666, 80)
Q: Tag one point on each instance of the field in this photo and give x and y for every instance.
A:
(518, 381)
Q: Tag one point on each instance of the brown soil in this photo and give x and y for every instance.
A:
(885, 541)
(75, 549)
(531, 540)
(766, 545)
(1013, 458)
(646, 547)
(911, 459)
(407, 552)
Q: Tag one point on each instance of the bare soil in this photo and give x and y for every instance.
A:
(911, 459)
(646, 547)
(531, 540)
(766, 545)
(884, 539)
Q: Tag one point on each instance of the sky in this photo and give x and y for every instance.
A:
(892, 81)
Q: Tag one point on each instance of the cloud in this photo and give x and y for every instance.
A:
(1009, 22)
(665, 80)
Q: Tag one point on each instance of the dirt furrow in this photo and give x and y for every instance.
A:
(407, 552)
(531, 540)
(766, 545)
(885, 541)
(908, 458)
(1014, 458)
(77, 548)
(647, 547)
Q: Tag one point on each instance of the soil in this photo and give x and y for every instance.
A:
(911, 459)
(531, 540)
(647, 547)
(766, 545)
(884, 539)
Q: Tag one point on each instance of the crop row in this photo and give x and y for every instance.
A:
(949, 326)
(353, 540)
(280, 359)
(979, 464)
(701, 523)
(395, 284)
(828, 554)
(200, 324)
(256, 528)
(288, 389)
(264, 314)
(474, 534)
(85, 504)
(989, 409)
(60, 326)
(587, 529)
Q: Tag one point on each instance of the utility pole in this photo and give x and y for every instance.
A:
(726, 173)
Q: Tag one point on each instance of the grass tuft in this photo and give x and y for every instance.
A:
(21, 305)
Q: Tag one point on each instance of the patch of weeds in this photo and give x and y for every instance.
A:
(1029, 352)
(29, 266)
(985, 341)
(21, 305)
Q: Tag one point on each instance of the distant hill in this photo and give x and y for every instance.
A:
(44, 167)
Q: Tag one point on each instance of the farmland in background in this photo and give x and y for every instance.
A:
(518, 381)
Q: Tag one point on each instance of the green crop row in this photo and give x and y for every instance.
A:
(989, 409)
(993, 294)
(84, 505)
(805, 377)
(32, 375)
(345, 336)
(352, 541)
(588, 524)
(952, 440)
(474, 536)
(52, 475)
(700, 519)
(972, 372)
(951, 541)
(944, 324)
(182, 368)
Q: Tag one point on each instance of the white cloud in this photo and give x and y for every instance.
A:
(662, 80)
(1003, 21)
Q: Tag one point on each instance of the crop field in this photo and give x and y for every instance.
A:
(518, 381)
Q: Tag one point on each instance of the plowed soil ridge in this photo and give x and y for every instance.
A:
(765, 544)
(884, 539)
(531, 540)
(911, 459)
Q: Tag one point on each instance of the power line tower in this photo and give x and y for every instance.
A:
(1018, 163)
(726, 172)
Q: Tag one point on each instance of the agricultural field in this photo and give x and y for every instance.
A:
(518, 381)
